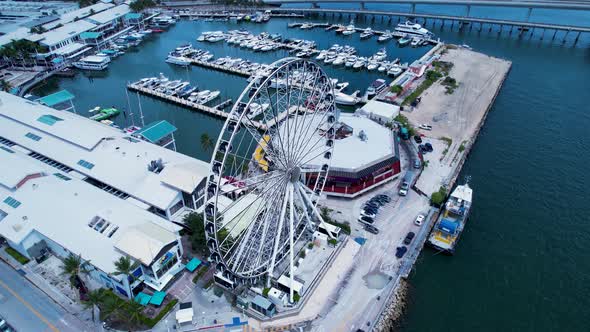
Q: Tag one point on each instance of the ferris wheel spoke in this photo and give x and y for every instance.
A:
(294, 142)
(302, 137)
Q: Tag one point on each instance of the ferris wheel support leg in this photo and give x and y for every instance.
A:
(291, 248)
(277, 238)
(315, 210)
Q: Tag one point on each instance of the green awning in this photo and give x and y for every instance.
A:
(143, 298)
(155, 131)
(158, 298)
(193, 264)
(89, 35)
(56, 98)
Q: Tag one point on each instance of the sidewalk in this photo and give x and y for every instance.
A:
(75, 309)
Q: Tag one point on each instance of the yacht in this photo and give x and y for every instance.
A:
(394, 70)
(372, 65)
(377, 86)
(322, 55)
(380, 55)
(344, 99)
(387, 35)
(412, 28)
(340, 29)
(383, 67)
(93, 62)
(350, 60)
(360, 63)
(330, 58)
(178, 60)
(452, 220)
(339, 60)
(403, 41)
(367, 33)
(416, 41)
(350, 29)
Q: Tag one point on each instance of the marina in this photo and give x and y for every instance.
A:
(372, 80)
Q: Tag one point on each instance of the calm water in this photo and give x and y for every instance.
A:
(522, 264)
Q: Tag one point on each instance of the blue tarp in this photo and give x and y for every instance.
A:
(448, 226)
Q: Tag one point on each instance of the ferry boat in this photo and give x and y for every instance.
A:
(377, 86)
(93, 62)
(450, 223)
(412, 29)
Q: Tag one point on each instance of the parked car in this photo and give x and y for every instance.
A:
(419, 220)
(417, 164)
(368, 213)
(371, 229)
(409, 237)
(366, 220)
(400, 251)
(403, 190)
(428, 147)
(418, 139)
(425, 126)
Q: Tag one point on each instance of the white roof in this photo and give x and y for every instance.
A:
(17, 34)
(65, 32)
(184, 315)
(352, 153)
(16, 169)
(463, 192)
(95, 58)
(184, 176)
(80, 14)
(143, 242)
(62, 210)
(381, 109)
(286, 281)
(119, 161)
(69, 48)
(109, 14)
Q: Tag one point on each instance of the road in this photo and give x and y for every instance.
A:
(26, 308)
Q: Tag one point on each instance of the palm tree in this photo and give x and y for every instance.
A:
(112, 305)
(133, 312)
(124, 266)
(74, 266)
(94, 298)
(206, 142)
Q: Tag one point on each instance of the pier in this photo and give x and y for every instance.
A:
(224, 69)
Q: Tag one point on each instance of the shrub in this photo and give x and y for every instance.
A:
(16, 255)
(437, 198)
(332, 242)
(397, 89)
(265, 292)
(151, 322)
(296, 297)
(199, 274)
(462, 147)
(302, 254)
(310, 245)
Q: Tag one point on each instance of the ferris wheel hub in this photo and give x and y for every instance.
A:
(294, 173)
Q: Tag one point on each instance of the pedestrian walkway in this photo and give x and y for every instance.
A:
(27, 271)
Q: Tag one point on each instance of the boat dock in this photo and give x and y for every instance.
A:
(215, 111)
(222, 68)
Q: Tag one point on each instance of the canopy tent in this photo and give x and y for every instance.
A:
(143, 298)
(193, 264)
(155, 131)
(56, 98)
(158, 298)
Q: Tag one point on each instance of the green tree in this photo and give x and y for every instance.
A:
(124, 266)
(133, 312)
(437, 198)
(74, 267)
(139, 5)
(5, 86)
(112, 305)
(397, 89)
(206, 142)
(194, 221)
(94, 298)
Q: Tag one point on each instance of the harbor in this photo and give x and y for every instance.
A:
(452, 133)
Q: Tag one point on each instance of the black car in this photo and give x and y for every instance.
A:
(400, 251)
(366, 220)
(371, 229)
(409, 237)
(428, 147)
(373, 206)
(418, 139)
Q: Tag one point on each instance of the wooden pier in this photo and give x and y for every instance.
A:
(195, 106)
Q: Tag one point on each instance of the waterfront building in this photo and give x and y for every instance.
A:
(45, 210)
(154, 178)
(365, 156)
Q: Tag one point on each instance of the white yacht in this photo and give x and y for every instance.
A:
(339, 60)
(380, 55)
(372, 65)
(412, 29)
(360, 63)
(350, 29)
(350, 60)
(178, 60)
(367, 33)
(394, 70)
(387, 35)
(93, 62)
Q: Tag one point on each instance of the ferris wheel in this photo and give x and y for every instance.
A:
(268, 170)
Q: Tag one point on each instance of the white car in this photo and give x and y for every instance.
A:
(419, 220)
(425, 126)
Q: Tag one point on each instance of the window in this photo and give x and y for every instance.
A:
(103, 227)
(33, 136)
(48, 119)
(50, 162)
(6, 149)
(85, 164)
(11, 202)
(61, 176)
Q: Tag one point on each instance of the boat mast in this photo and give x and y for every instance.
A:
(140, 111)
(129, 106)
